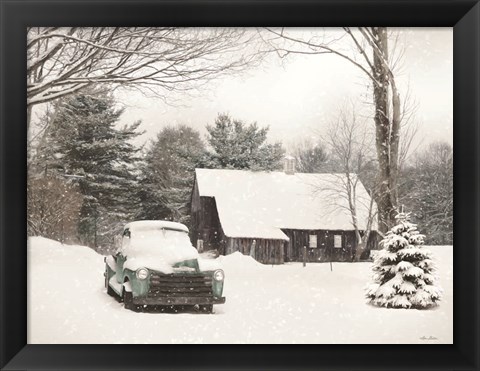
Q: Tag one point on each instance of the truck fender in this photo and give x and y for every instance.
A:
(127, 286)
(110, 261)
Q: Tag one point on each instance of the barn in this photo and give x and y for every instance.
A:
(272, 216)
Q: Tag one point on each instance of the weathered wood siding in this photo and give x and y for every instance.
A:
(325, 250)
(205, 222)
(265, 251)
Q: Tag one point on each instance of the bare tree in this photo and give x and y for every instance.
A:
(351, 151)
(368, 50)
(157, 61)
(53, 208)
(428, 192)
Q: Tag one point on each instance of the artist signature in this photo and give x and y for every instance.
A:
(428, 338)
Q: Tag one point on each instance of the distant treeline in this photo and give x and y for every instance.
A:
(86, 178)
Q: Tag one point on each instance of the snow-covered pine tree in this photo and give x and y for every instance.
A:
(236, 145)
(403, 271)
(168, 172)
(85, 146)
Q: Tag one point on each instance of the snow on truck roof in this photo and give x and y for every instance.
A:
(259, 204)
(145, 225)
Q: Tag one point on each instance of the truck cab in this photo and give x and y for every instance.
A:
(155, 264)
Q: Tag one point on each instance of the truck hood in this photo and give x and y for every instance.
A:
(160, 256)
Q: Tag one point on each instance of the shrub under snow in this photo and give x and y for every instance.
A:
(403, 270)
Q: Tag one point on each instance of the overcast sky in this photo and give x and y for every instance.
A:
(299, 97)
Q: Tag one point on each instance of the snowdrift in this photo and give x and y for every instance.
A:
(48, 251)
(238, 261)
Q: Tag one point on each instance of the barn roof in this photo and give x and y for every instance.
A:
(258, 204)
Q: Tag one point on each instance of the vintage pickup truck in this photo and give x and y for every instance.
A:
(156, 264)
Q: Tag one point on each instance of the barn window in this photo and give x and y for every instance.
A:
(337, 241)
(312, 241)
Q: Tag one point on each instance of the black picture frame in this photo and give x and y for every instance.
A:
(463, 15)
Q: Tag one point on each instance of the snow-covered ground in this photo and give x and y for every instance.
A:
(265, 304)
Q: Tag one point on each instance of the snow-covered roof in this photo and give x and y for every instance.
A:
(259, 204)
(144, 225)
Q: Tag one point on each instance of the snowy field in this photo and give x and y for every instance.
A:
(265, 304)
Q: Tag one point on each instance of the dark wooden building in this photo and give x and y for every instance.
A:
(272, 216)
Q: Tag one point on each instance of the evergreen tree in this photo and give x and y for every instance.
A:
(403, 270)
(236, 145)
(311, 157)
(83, 144)
(169, 170)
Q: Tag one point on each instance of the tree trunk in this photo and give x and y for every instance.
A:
(361, 246)
(386, 153)
(29, 117)
(395, 142)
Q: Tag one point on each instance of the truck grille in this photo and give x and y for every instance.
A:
(179, 285)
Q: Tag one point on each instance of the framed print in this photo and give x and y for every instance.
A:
(239, 185)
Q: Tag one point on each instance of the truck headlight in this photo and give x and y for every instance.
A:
(142, 273)
(218, 275)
